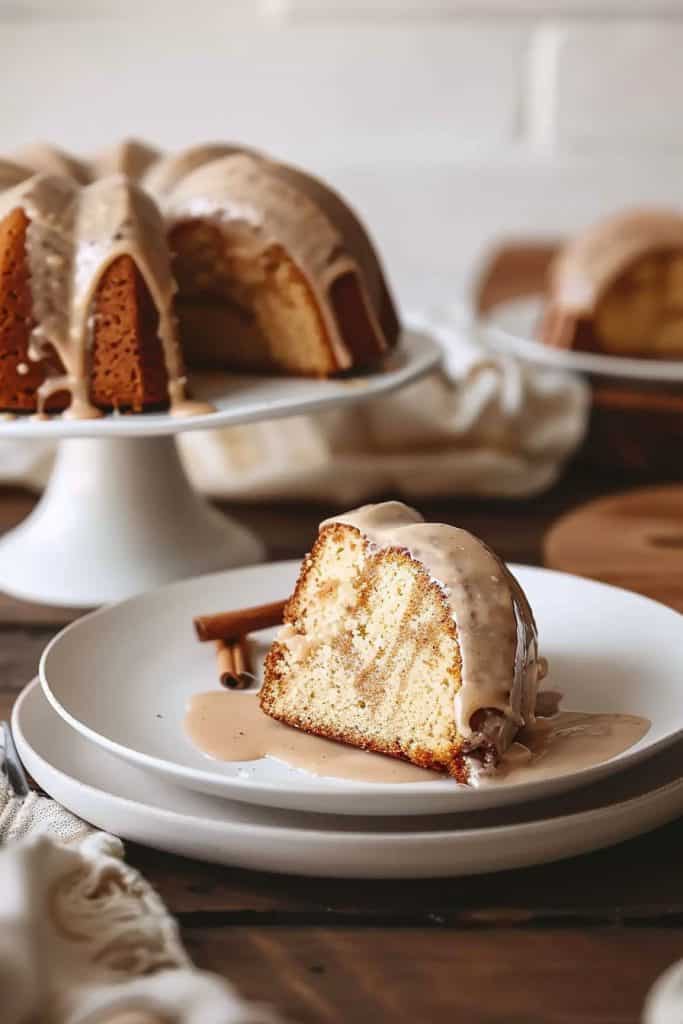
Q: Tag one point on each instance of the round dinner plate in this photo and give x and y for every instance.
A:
(143, 807)
(241, 399)
(123, 677)
(510, 327)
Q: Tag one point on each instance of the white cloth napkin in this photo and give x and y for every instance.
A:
(85, 939)
(484, 425)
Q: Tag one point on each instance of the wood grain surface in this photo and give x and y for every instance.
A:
(633, 540)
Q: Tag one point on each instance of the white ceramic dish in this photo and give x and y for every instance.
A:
(123, 677)
(511, 326)
(140, 806)
(247, 399)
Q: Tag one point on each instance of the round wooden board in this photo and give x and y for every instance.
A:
(633, 540)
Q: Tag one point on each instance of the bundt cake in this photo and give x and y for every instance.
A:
(618, 288)
(116, 272)
(406, 638)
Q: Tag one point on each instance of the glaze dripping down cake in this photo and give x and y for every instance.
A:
(617, 288)
(406, 638)
(118, 272)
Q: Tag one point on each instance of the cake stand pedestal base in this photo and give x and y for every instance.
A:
(118, 516)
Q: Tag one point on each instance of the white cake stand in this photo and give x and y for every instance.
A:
(120, 516)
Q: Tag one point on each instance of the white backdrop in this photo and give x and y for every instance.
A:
(447, 123)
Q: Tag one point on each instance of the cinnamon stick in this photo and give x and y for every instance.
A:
(233, 625)
(233, 659)
(241, 655)
(225, 660)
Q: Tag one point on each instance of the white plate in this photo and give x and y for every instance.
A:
(248, 399)
(511, 327)
(140, 806)
(123, 677)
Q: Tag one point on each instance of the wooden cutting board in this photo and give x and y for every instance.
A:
(633, 539)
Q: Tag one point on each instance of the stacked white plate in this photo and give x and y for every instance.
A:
(102, 732)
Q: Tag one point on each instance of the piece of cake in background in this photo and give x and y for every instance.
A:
(406, 638)
(276, 274)
(617, 288)
(86, 293)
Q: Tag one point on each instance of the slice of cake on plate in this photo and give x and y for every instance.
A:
(406, 638)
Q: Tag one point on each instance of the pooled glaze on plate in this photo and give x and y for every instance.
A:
(232, 727)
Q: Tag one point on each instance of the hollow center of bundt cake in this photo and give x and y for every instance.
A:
(248, 302)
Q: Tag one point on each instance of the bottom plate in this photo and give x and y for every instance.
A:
(140, 806)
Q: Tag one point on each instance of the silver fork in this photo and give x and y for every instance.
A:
(10, 764)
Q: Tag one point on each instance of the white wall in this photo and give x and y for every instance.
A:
(448, 123)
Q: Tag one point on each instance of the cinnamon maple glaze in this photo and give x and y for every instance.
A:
(595, 257)
(232, 727)
(496, 629)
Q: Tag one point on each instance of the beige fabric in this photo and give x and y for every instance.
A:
(84, 939)
(484, 425)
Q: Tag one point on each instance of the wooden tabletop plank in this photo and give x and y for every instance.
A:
(533, 976)
(600, 888)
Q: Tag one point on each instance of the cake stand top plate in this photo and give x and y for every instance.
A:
(247, 399)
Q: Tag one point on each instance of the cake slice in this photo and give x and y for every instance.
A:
(406, 638)
(617, 288)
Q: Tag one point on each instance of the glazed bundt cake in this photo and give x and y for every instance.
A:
(618, 288)
(406, 638)
(117, 271)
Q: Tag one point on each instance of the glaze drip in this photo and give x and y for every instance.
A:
(495, 625)
(74, 234)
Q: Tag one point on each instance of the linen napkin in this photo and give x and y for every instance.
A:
(486, 424)
(84, 939)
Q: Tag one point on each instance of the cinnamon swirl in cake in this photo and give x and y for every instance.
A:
(406, 638)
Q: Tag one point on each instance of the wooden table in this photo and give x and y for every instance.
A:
(581, 940)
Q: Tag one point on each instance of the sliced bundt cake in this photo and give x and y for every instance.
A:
(407, 638)
(275, 274)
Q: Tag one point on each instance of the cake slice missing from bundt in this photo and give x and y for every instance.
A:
(406, 638)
